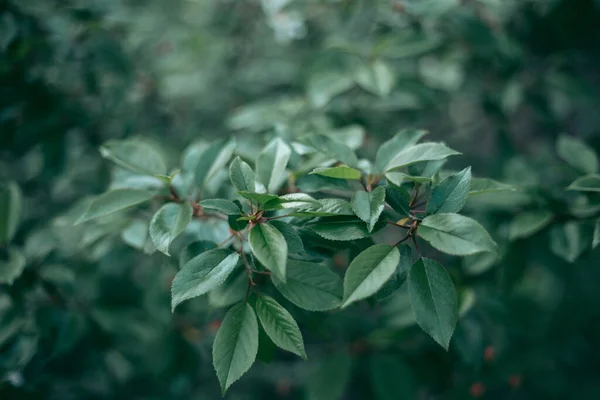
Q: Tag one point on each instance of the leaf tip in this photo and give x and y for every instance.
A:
(345, 303)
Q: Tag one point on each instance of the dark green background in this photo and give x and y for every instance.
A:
(496, 80)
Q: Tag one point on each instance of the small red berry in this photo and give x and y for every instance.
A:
(214, 325)
(339, 260)
(489, 353)
(283, 388)
(477, 389)
(515, 381)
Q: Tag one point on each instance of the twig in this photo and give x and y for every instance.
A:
(364, 186)
(403, 240)
(398, 225)
(247, 291)
(174, 195)
(415, 194)
(414, 240)
(276, 217)
(218, 216)
(420, 203)
(261, 272)
(226, 240)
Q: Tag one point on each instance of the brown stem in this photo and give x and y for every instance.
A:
(226, 240)
(174, 195)
(367, 188)
(403, 240)
(414, 240)
(261, 272)
(247, 291)
(275, 217)
(415, 194)
(251, 282)
(420, 203)
(398, 225)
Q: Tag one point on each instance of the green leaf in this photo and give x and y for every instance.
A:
(271, 163)
(369, 271)
(330, 378)
(236, 345)
(596, 239)
(11, 203)
(310, 286)
(12, 267)
(529, 223)
(201, 274)
(266, 348)
(368, 206)
(456, 234)
(392, 379)
(398, 178)
(433, 300)
(237, 224)
(587, 183)
(484, 185)
(331, 148)
(399, 199)
(317, 183)
(425, 169)
(227, 207)
(325, 85)
(241, 176)
(260, 198)
(231, 292)
(399, 277)
(402, 139)
(450, 195)
(194, 249)
(339, 172)
(292, 238)
(479, 263)
(135, 155)
(113, 201)
(213, 160)
(280, 325)
(420, 152)
(168, 223)
(328, 208)
(340, 230)
(136, 234)
(270, 248)
(376, 77)
(291, 200)
(568, 241)
(577, 154)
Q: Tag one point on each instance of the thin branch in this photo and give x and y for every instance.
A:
(226, 240)
(364, 186)
(261, 272)
(403, 240)
(420, 203)
(218, 216)
(276, 217)
(414, 240)
(174, 195)
(247, 291)
(415, 195)
(398, 225)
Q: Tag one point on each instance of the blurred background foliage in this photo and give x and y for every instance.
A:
(88, 316)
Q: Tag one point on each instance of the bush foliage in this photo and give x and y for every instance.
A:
(325, 199)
